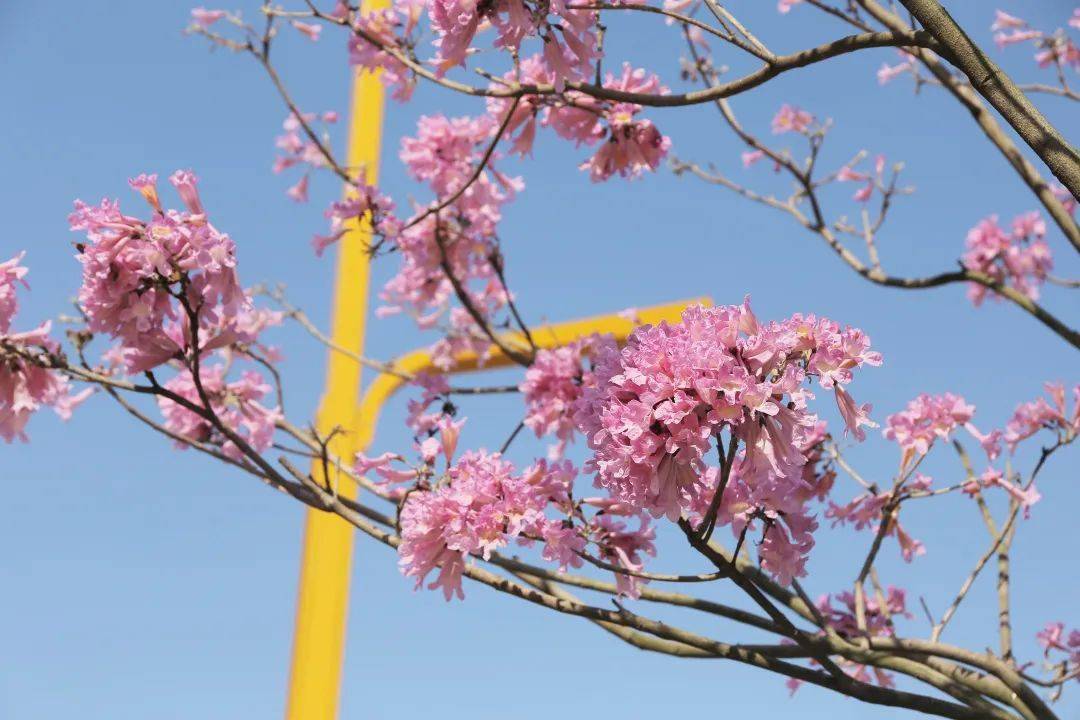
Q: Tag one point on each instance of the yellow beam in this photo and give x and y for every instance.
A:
(326, 559)
(545, 336)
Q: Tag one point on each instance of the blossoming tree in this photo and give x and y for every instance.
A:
(706, 430)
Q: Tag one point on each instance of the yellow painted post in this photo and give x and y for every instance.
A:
(326, 559)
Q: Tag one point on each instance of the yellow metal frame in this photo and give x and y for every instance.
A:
(326, 558)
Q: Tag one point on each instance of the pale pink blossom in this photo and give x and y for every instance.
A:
(1020, 259)
(1039, 414)
(483, 507)
(309, 30)
(551, 386)
(632, 145)
(1003, 40)
(1005, 21)
(887, 73)
(991, 477)
(27, 384)
(389, 27)
(237, 403)
(784, 6)
(926, 419)
(206, 18)
(650, 412)
(1053, 639)
(12, 275)
(864, 193)
(791, 119)
(134, 269)
(299, 191)
(750, 157)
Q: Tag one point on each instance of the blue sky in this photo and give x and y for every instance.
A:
(139, 581)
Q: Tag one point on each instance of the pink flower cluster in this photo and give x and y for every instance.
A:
(364, 204)
(879, 618)
(482, 506)
(1055, 49)
(878, 615)
(629, 145)
(390, 28)
(1053, 639)
(1031, 417)
(1019, 258)
(991, 477)
(790, 118)
(143, 279)
(864, 512)
(237, 404)
(653, 408)
(887, 73)
(879, 623)
(568, 35)
(298, 149)
(551, 386)
(459, 238)
(26, 382)
(928, 418)
(870, 180)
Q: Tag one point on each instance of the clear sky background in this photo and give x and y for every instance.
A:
(138, 581)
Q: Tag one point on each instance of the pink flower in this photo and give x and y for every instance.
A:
(784, 6)
(1064, 197)
(927, 418)
(133, 271)
(855, 416)
(650, 411)
(26, 382)
(1003, 40)
(186, 185)
(482, 507)
(1074, 19)
(12, 275)
(1005, 21)
(1026, 497)
(551, 387)
(750, 157)
(299, 191)
(887, 73)
(1052, 638)
(633, 145)
(1031, 417)
(236, 403)
(791, 119)
(1020, 260)
(206, 18)
(364, 202)
(864, 193)
(386, 26)
(846, 174)
(310, 30)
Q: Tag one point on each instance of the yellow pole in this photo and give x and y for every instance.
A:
(326, 559)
